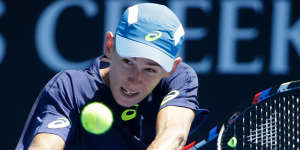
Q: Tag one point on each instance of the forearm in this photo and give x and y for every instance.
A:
(45, 141)
(39, 148)
(169, 140)
(173, 125)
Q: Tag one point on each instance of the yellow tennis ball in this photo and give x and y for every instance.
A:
(96, 118)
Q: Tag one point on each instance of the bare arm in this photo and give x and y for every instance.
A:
(46, 141)
(172, 128)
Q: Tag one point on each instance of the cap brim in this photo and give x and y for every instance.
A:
(129, 48)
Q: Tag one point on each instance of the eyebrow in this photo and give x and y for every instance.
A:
(153, 64)
(149, 63)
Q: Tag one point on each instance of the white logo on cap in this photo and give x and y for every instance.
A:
(178, 34)
(153, 36)
(59, 123)
(133, 14)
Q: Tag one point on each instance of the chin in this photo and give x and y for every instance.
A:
(124, 104)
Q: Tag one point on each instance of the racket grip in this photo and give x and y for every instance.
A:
(189, 146)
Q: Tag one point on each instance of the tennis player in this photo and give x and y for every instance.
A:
(152, 94)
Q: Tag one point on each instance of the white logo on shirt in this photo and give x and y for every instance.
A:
(171, 95)
(59, 123)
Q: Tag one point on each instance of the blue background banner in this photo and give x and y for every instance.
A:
(237, 47)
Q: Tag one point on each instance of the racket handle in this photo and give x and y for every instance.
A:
(189, 146)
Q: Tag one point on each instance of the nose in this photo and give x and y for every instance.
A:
(135, 76)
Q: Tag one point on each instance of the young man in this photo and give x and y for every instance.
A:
(152, 94)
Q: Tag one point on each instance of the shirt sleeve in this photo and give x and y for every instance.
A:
(182, 88)
(182, 91)
(51, 112)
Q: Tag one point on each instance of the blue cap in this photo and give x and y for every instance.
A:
(150, 31)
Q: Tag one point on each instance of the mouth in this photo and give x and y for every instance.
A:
(128, 92)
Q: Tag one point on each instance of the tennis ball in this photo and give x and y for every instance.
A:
(96, 118)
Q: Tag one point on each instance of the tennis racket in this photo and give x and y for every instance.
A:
(271, 122)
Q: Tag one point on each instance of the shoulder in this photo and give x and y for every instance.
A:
(64, 78)
(180, 89)
(184, 74)
(72, 78)
(185, 68)
(77, 84)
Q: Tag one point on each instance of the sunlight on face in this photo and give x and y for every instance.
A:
(132, 79)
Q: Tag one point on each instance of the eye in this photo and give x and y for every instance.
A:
(127, 61)
(151, 70)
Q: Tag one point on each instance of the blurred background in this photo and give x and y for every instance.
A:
(237, 47)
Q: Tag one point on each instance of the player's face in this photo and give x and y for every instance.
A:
(132, 79)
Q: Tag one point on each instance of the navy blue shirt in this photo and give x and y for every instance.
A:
(58, 107)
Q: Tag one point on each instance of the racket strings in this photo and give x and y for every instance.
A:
(272, 124)
(265, 130)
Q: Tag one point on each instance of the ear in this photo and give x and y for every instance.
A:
(177, 61)
(109, 44)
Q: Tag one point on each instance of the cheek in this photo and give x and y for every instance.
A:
(118, 75)
(113, 76)
(151, 83)
(115, 67)
(119, 69)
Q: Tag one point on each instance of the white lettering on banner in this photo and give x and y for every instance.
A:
(45, 33)
(229, 36)
(2, 41)
(179, 7)
(283, 32)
